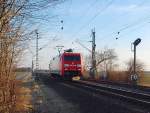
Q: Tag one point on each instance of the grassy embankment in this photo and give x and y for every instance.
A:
(144, 79)
(24, 92)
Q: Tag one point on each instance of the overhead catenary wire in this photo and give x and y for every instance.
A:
(130, 25)
(135, 29)
(110, 2)
(97, 14)
(121, 35)
(88, 9)
(126, 13)
(90, 6)
(127, 25)
(133, 24)
(77, 41)
(47, 44)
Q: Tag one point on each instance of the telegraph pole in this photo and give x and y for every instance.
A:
(93, 54)
(37, 50)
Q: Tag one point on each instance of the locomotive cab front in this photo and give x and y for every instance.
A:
(71, 65)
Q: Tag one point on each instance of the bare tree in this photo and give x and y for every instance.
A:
(108, 58)
(105, 60)
(139, 67)
(15, 18)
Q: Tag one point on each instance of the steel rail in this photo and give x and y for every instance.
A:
(132, 96)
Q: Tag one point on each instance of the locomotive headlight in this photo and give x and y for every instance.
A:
(66, 65)
(78, 65)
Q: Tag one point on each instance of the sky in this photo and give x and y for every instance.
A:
(131, 18)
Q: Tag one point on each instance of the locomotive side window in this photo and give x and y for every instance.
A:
(72, 58)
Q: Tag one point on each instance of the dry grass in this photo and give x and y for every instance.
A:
(144, 80)
(121, 76)
(117, 76)
(86, 74)
(23, 99)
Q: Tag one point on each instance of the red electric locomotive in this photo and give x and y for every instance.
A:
(67, 65)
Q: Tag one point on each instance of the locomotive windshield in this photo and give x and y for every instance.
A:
(72, 58)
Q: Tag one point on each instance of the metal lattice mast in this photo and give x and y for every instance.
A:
(93, 54)
(37, 50)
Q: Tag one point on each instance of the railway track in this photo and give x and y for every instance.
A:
(144, 89)
(134, 97)
(139, 100)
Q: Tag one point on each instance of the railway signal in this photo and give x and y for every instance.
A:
(134, 77)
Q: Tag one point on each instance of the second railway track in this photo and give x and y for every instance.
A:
(133, 97)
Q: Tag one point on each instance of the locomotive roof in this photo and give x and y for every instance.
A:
(69, 53)
(66, 53)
